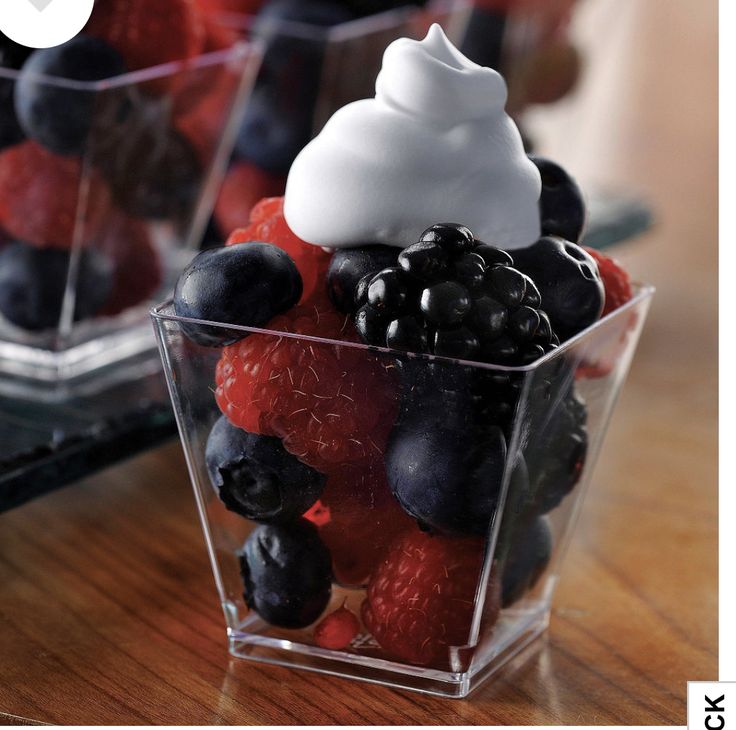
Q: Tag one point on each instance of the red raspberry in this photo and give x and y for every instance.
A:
(137, 267)
(244, 185)
(364, 520)
(148, 34)
(267, 224)
(41, 195)
(241, 7)
(337, 630)
(330, 405)
(420, 599)
(615, 280)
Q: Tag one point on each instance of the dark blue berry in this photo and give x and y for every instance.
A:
(529, 555)
(33, 282)
(245, 284)
(349, 266)
(445, 304)
(453, 237)
(58, 117)
(287, 574)
(561, 205)
(256, 477)
(568, 280)
(445, 470)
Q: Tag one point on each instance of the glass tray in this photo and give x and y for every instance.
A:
(50, 440)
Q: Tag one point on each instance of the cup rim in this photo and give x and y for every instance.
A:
(240, 50)
(643, 292)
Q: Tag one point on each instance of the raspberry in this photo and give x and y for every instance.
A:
(137, 267)
(615, 280)
(364, 519)
(330, 405)
(420, 599)
(41, 195)
(244, 185)
(148, 35)
(337, 630)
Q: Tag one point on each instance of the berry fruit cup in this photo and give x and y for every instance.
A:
(384, 516)
(106, 186)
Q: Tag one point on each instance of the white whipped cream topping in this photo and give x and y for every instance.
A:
(435, 145)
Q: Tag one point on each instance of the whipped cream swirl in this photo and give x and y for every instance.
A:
(434, 145)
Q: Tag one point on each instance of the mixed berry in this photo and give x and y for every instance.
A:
(103, 168)
(381, 469)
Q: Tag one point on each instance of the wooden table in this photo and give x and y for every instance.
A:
(108, 611)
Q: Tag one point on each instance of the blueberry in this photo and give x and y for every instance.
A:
(529, 555)
(12, 57)
(256, 477)
(279, 117)
(33, 282)
(561, 205)
(245, 284)
(453, 237)
(58, 117)
(426, 261)
(445, 304)
(446, 470)
(287, 573)
(568, 280)
(348, 266)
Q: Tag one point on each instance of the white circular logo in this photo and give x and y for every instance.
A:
(43, 23)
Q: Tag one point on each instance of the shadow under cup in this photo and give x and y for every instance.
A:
(492, 461)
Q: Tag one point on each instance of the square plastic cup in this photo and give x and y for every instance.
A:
(94, 229)
(493, 461)
(308, 73)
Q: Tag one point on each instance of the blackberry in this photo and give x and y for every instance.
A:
(454, 296)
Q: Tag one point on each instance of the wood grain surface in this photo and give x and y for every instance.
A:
(108, 612)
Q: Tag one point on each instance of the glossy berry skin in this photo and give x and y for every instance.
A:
(529, 556)
(286, 574)
(568, 280)
(456, 493)
(349, 265)
(60, 118)
(245, 284)
(420, 599)
(256, 477)
(561, 204)
(33, 280)
(337, 629)
(12, 56)
(453, 296)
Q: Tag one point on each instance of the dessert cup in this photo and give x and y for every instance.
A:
(553, 414)
(100, 233)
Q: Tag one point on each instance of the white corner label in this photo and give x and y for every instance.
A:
(43, 23)
(711, 705)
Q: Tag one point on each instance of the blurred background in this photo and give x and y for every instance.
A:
(622, 92)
